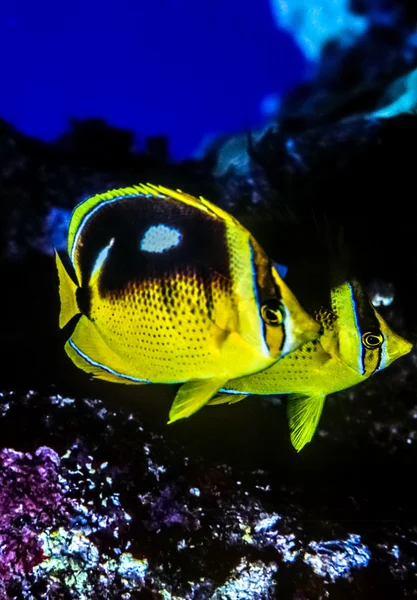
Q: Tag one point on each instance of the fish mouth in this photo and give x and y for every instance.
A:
(313, 332)
(403, 348)
(308, 335)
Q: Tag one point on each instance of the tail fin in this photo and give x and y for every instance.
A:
(67, 294)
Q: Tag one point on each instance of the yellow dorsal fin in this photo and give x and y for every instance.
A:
(160, 190)
(304, 414)
(192, 396)
(67, 293)
(200, 202)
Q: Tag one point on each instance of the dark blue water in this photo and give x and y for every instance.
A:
(176, 67)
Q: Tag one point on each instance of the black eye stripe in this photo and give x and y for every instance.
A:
(367, 323)
(273, 304)
(365, 312)
(372, 342)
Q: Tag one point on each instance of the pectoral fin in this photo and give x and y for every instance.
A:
(226, 399)
(192, 396)
(304, 413)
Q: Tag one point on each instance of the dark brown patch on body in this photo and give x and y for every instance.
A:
(202, 251)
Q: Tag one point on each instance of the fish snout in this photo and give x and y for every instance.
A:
(306, 328)
(400, 347)
(303, 329)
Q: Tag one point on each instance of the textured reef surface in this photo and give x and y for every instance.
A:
(99, 498)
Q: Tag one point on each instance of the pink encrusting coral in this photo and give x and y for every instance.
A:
(31, 501)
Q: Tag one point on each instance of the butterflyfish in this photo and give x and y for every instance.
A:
(172, 289)
(355, 343)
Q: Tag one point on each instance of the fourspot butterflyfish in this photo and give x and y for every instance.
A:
(173, 289)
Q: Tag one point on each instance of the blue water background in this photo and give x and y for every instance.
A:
(184, 68)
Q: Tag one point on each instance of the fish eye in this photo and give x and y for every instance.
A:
(372, 340)
(272, 312)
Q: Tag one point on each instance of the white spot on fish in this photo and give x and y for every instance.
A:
(159, 238)
(291, 336)
(101, 258)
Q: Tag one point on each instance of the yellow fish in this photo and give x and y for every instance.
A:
(172, 289)
(356, 343)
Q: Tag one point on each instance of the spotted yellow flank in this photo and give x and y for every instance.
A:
(356, 343)
(172, 289)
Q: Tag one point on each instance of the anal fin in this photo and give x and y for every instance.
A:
(192, 396)
(226, 399)
(304, 414)
(89, 352)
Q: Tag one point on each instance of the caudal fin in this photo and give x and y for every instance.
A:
(67, 294)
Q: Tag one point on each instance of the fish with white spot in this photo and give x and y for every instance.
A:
(172, 289)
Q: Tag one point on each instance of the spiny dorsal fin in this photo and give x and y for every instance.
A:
(325, 317)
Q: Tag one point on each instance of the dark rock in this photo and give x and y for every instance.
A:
(120, 507)
(356, 176)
